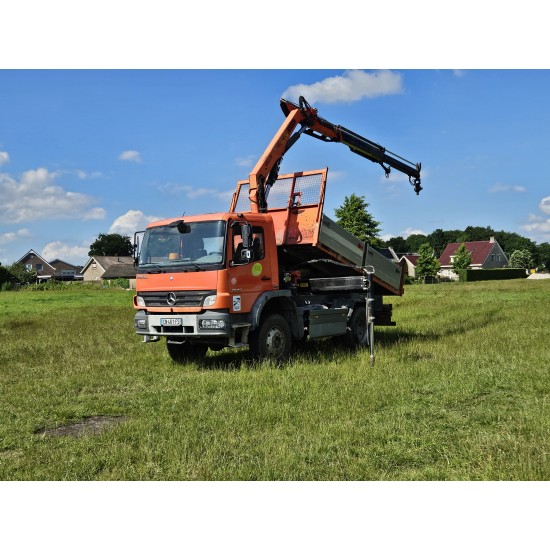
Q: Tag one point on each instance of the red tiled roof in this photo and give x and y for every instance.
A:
(411, 257)
(479, 250)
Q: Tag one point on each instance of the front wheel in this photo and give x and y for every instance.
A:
(186, 352)
(272, 339)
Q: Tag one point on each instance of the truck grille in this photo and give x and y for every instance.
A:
(183, 298)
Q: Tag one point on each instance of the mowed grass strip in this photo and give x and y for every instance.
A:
(459, 391)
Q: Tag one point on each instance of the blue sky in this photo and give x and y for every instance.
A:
(84, 152)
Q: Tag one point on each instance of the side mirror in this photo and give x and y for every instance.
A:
(136, 247)
(246, 235)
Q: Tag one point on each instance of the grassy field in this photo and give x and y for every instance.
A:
(460, 391)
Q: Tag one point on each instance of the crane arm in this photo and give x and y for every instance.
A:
(265, 173)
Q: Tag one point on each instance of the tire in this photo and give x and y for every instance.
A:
(272, 339)
(186, 352)
(358, 333)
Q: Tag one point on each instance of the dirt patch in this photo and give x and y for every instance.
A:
(88, 425)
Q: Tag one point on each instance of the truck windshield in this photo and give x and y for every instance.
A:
(200, 246)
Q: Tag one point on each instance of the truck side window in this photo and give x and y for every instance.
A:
(258, 246)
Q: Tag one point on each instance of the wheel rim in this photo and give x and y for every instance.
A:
(275, 342)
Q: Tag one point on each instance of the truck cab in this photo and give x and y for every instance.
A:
(199, 278)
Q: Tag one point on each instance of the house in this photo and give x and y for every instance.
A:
(33, 260)
(54, 270)
(106, 268)
(65, 271)
(410, 261)
(406, 259)
(485, 255)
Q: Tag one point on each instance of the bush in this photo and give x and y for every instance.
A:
(4, 275)
(60, 285)
(122, 283)
(469, 275)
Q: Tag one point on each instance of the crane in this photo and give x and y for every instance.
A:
(266, 170)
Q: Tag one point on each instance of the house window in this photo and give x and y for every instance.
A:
(492, 257)
(94, 265)
(39, 267)
(498, 257)
(28, 266)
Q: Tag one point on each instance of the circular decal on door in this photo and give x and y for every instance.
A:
(257, 270)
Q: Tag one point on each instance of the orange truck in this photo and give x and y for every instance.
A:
(273, 270)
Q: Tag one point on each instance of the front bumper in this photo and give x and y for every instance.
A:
(205, 325)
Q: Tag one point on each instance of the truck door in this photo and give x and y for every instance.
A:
(249, 266)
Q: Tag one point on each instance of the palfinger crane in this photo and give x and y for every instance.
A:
(266, 171)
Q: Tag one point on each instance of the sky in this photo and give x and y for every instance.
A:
(84, 152)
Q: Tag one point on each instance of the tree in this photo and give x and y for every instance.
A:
(354, 217)
(111, 244)
(21, 274)
(398, 244)
(478, 233)
(521, 259)
(427, 265)
(512, 241)
(5, 275)
(462, 259)
(543, 250)
(415, 241)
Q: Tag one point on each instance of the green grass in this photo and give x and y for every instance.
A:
(459, 391)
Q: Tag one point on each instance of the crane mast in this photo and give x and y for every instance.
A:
(265, 173)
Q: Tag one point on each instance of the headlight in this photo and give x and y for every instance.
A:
(209, 300)
(212, 323)
(140, 301)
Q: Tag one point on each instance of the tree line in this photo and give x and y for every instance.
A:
(353, 215)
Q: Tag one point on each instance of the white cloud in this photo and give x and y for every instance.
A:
(410, 231)
(246, 162)
(351, 86)
(94, 214)
(131, 156)
(540, 225)
(394, 177)
(504, 188)
(83, 175)
(14, 236)
(131, 221)
(63, 251)
(191, 192)
(4, 158)
(35, 196)
(545, 205)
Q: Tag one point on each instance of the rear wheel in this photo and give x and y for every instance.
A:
(186, 352)
(358, 334)
(272, 339)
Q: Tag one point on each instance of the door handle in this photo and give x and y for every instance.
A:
(266, 279)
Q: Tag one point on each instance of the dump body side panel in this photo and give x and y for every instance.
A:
(310, 241)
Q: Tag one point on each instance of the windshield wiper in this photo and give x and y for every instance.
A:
(198, 266)
(157, 270)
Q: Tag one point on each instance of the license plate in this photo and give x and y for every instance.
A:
(170, 322)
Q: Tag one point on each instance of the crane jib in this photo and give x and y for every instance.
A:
(376, 153)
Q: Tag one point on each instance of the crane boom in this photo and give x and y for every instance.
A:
(266, 170)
